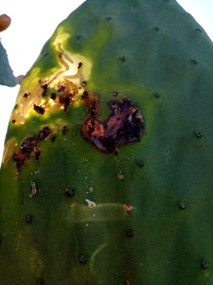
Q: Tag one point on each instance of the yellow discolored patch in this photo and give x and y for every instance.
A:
(62, 87)
(36, 263)
(9, 148)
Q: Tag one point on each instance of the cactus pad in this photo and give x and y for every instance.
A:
(106, 175)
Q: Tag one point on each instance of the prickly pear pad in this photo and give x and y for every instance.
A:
(107, 170)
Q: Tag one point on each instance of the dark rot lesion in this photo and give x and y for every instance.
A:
(30, 147)
(124, 125)
(66, 99)
(63, 95)
(26, 95)
(44, 89)
(65, 130)
(39, 109)
(92, 102)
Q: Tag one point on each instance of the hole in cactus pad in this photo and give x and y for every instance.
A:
(124, 125)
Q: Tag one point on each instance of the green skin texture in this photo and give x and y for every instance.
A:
(169, 244)
(6, 74)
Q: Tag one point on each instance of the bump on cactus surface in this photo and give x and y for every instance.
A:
(107, 169)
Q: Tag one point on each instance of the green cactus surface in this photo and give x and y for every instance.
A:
(106, 175)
